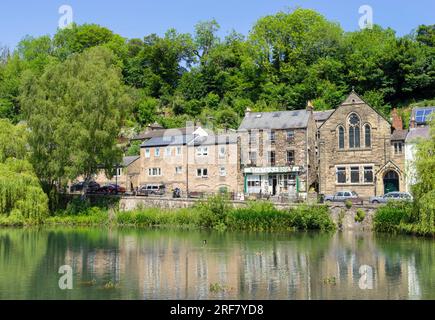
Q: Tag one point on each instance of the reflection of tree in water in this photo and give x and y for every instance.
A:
(177, 264)
(20, 255)
(417, 255)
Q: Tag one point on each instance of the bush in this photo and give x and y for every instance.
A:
(348, 204)
(259, 216)
(388, 218)
(312, 218)
(360, 215)
(213, 211)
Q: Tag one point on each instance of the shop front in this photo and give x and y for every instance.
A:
(273, 181)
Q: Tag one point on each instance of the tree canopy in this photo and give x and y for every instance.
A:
(74, 112)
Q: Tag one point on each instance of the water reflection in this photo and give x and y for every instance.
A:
(165, 264)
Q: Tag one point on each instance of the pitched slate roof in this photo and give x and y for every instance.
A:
(322, 115)
(216, 139)
(160, 133)
(197, 140)
(415, 133)
(399, 135)
(275, 120)
(166, 141)
(126, 161)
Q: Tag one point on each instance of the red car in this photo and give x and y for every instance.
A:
(111, 189)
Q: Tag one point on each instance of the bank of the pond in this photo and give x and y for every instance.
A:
(217, 213)
(401, 217)
(213, 214)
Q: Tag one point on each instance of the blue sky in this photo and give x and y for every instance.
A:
(136, 18)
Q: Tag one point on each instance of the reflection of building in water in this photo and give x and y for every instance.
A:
(153, 267)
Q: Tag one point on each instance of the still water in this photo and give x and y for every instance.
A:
(168, 264)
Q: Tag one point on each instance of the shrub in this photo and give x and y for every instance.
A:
(312, 218)
(360, 215)
(348, 204)
(213, 211)
(259, 216)
(387, 218)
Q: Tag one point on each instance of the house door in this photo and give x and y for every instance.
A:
(274, 184)
(391, 182)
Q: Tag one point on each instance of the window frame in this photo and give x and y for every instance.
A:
(147, 152)
(341, 138)
(368, 130)
(354, 131)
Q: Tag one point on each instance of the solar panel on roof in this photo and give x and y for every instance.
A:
(422, 116)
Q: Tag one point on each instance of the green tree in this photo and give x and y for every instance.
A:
(21, 197)
(74, 112)
(424, 190)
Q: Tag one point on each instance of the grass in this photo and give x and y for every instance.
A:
(400, 217)
(215, 213)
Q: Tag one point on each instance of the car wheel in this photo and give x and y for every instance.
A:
(375, 202)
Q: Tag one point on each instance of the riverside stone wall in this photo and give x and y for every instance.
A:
(342, 216)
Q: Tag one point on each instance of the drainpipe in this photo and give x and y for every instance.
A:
(307, 185)
(187, 168)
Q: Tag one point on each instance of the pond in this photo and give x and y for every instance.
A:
(146, 264)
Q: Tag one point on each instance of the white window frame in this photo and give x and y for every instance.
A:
(200, 172)
(222, 171)
(147, 153)
(222, 154)
(168, 151)
(179, 170)
(158, 172)
(202, 151)
(118, 172)
(179, 151)
(157, 152)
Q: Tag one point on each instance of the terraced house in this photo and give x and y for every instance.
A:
(196, 161)
(278, 152)
(360, 150)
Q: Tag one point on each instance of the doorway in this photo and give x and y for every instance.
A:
(391, 182)
(274, 184)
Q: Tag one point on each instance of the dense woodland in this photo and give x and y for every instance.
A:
(286, 59)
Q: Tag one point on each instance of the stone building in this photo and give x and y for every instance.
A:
(195, 162)
(359, 151)
(418, 130)
(126, 174)
(278, 152)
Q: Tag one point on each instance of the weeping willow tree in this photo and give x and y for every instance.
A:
(22, 199)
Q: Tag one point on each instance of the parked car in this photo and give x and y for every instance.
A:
(110, 189)
(78, 187)
(343, 196)
(151, 190)
(392, 196)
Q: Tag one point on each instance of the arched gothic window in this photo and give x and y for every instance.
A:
(340, 137)
(368, 136)
(354, 131)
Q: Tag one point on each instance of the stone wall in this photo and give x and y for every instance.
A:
(336, 210)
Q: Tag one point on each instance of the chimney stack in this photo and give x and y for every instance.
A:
(310, 106)
(412, 123)
(397, 122)
(247, 111)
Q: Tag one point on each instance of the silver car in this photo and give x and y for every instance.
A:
(343, 196)
(392, 196)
